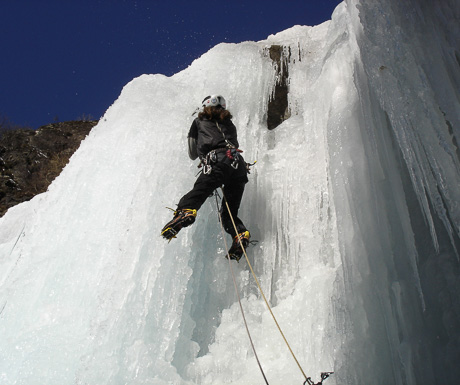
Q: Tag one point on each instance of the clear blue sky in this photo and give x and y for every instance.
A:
(62, 59)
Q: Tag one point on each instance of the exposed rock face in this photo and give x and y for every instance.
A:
(277, 110)
(31, 159)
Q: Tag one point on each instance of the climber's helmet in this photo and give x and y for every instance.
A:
(214, 100)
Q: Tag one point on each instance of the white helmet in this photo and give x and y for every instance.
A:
(214, 100)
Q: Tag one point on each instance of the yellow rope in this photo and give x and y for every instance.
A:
(239, 298)
(260, 288)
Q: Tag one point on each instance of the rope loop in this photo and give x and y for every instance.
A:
(238, 294)
(308, 380)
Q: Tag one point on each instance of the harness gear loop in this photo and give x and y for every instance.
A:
(208, 161)
(233, 154)
(237, 293)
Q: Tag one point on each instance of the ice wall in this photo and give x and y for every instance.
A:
(354, 202)
(401, 190)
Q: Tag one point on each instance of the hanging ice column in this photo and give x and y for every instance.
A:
(395, 174)
(354, 201)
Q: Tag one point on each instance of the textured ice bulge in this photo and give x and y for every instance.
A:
(354, 201)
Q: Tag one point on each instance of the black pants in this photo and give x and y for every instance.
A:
(233, 181)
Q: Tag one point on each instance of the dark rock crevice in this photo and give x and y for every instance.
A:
(278, 109)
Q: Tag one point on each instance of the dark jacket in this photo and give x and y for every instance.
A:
(208, 136)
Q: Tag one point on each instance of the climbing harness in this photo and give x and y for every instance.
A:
(231, 152)
(308, 380)
(211, 158)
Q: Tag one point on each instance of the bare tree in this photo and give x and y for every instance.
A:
(7, 125)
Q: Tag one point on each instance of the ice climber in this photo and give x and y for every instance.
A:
(213, 138)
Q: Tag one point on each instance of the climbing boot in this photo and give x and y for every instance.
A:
(182, 218)
(236, 252)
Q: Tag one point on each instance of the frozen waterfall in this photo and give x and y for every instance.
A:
(355, 202)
